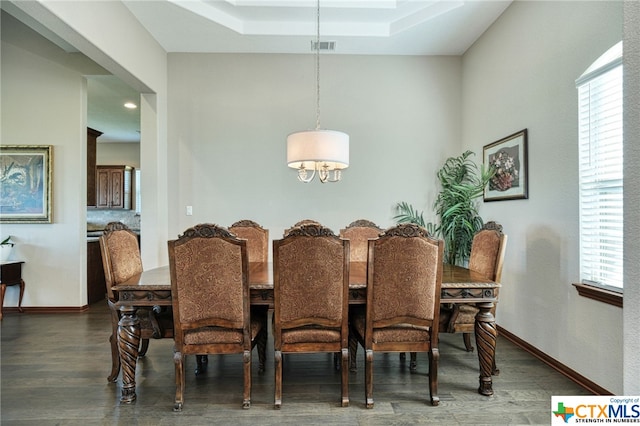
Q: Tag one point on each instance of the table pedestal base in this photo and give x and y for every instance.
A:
(486, 335)
(128, 344)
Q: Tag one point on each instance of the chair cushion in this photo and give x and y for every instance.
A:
(401, 333)
(208, 335)
(310, 335)
(466, 314)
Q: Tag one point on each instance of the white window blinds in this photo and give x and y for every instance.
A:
(138, 192)
(600, 174)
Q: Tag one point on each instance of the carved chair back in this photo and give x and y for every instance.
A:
(359, 233)
(487, 251)
(404, 280)
(257, 239)
(209, 285)
(121, 258)
(299, 224)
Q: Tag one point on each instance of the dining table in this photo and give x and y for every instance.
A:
(153, 288)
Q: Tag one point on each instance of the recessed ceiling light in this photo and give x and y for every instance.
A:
(130, 105)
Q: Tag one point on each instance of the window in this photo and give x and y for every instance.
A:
(600, 171)
(138, 200)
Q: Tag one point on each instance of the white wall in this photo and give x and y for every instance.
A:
(33, 87)
(125, 153)
(108, 33)
(521, 74)
(230, 114)
(44, 102)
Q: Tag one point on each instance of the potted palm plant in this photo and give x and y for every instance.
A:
(5, 248)
(462, 182)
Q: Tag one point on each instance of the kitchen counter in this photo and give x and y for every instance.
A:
(96, 234)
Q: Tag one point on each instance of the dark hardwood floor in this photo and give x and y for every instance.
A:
(54, 369)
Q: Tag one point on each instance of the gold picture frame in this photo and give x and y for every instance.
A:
(26, 176)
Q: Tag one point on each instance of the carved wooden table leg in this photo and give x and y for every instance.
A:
(486, 335)
(128, 344)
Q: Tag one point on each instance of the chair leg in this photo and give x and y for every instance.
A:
(368, 378)
(113, 340)
(144, 346)
(260, 340)
(246, 397)
(153, 321)
(434, 357)
(261, 343)
(277, 366)
(201, 364)
(178, 360)
(345, 377)
(353, 352)
(413, 364)
(467, 342)
(115, 357)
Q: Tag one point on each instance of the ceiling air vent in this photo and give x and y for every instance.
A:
(325, 46)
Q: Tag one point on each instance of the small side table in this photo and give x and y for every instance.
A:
(11, 274)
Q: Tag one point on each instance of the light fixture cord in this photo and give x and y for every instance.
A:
(318, 66)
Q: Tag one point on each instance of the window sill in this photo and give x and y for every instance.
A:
(600, 294)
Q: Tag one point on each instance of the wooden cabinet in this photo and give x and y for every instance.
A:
(96, 284)
(92, 136)
(113, 187)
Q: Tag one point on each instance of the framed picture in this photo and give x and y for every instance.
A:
(508, 157)
(25, 173)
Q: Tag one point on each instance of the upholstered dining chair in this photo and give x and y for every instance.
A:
(257, 239)
(358, 233)
(121, 261)
(487, 257)
(299, 224)
(311, 298)
(404, 278)
(257, 251)
(210, 296)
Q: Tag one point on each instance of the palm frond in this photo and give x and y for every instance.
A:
(462, 183)
(407, 214)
